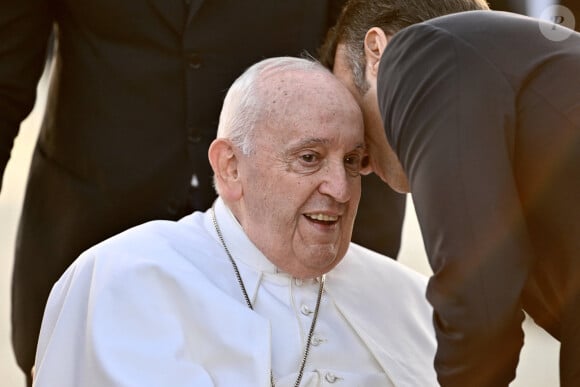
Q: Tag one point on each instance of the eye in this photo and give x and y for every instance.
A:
(306, 161)
(352, 160)
(309, 158)
(353, 164)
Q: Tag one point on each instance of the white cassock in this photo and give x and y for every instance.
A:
(159, 305)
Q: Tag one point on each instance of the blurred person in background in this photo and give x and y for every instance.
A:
(477, 114)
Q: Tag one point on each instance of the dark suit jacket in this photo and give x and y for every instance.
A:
(483, 111)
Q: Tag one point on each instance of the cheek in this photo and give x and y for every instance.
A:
(275, 200)
(356, 191)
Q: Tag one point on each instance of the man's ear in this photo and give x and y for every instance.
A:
(224, 162)
(375, 43)
(366, 167)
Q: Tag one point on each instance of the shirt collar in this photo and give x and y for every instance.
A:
(241, 247)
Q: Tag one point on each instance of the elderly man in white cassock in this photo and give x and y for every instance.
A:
(263, 289)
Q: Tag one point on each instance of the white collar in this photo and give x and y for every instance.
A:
(251, 262)
(241, 247)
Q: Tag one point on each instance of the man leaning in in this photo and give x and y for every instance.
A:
(478, 115)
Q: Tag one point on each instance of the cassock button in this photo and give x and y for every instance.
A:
(316, 341)
(331, 378)
(305, 310)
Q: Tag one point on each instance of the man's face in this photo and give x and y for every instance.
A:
(383, 160)
(301, 186)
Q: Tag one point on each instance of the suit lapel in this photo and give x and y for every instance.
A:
(172, 12)
(193, 8)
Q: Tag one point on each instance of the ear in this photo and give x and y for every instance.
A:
(374, 44)
(224, 162)
(366, 167)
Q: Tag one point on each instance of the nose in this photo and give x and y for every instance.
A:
(336, 182)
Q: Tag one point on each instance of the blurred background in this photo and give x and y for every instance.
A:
(539, 359)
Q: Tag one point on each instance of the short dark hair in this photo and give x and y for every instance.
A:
(358, 16)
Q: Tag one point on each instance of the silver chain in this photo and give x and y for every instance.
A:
(249, 303)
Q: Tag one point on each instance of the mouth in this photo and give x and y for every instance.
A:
(322, 219)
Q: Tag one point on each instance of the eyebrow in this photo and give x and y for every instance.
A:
(312, 141)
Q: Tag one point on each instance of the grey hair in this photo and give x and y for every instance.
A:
(246, 102)
(357, 61)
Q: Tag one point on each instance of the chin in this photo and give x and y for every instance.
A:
(401, 188)
(397, 182)
(401, 185)
(322, 262)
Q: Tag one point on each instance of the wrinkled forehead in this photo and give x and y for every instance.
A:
(320, 117)
(300, 95)
(297, 85)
